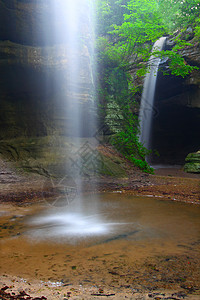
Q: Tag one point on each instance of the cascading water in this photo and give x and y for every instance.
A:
(72, 37)
(147, 109)
(72, 31)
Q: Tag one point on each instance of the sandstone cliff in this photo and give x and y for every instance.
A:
(36, 88)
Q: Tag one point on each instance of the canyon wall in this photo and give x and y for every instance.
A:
(36, 90)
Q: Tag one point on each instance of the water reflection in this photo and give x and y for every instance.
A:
(119, 217)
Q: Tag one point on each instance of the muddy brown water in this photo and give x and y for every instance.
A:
(96, 238)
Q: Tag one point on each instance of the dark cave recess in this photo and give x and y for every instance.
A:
(176, 126)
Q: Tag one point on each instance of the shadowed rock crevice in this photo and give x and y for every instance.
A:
(175, 130)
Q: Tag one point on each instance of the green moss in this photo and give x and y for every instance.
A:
(193, 157)
(192, 163)
(192, 167)
(112, 166)
(60, 156)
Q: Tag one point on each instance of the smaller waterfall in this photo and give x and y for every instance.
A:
(147, 109)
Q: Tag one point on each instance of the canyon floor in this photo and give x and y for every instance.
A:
(170, 183)
(109, 271)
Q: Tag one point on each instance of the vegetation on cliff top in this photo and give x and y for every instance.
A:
(125, 33)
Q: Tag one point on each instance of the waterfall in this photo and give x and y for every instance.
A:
(147, 109)
(71, 41)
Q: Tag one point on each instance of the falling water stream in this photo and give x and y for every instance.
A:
(147, 109)
(72, 39)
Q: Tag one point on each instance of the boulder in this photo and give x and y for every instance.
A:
(192, 163)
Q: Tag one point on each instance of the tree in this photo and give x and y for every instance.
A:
(139, 30)
(109, 12)
(179, 14)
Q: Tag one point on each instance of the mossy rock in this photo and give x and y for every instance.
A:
(192, 168)
(193, 157)
(59, 156)
(192, 163)
(112, 167)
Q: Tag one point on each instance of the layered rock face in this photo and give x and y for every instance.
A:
(37, 89)
(176, 126)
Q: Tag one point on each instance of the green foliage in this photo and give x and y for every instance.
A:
(109, 12)
(177, 64)
(126, 31)
(124, 127)
(197, 28)
(140, 28)
(179, 14)
(127, 142)
(142, 164)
